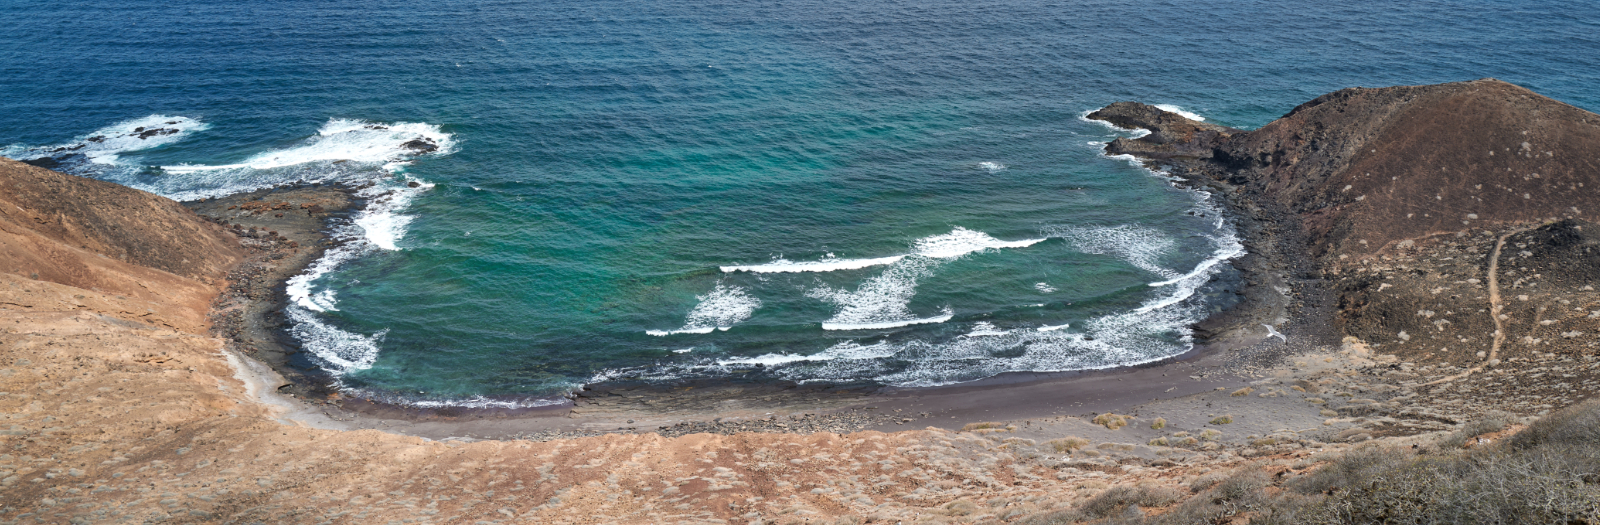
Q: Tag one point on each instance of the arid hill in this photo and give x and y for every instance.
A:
(156, 261)
(1454, 223)
(1365, 168)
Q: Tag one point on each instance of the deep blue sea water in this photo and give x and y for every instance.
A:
(898, 191)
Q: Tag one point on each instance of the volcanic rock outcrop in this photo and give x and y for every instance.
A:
(1455, 221)
(1364, 168)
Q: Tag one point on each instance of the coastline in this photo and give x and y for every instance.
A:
(123, 404)
(250, 315)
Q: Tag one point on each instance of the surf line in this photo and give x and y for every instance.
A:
(960, 241)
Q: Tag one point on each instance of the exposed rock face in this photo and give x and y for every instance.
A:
(1171, 135)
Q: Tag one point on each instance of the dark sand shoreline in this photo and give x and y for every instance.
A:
(250, 316)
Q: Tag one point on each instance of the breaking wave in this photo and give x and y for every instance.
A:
(960, 241)
(104, 146)
(720, 309)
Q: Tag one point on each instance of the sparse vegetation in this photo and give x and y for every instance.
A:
(1159, 423)
(1547, 473)
(1222, 420)
(1242, 392)
(1491, 422)
(1068, 444)
(1118, 498)
(1112, 421)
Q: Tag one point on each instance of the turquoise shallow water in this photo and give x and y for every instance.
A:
(600, 164)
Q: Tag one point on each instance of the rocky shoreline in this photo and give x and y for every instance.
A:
(284, 231)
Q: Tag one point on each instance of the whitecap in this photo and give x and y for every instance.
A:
(1052, 328)
(105, 145)
(881, 325)
(881, 301)
(1044, 288)
(991, 167)
(1140, 246)
(719, 309)
(826, 264)
(983, 328)
(846, 350)
(349, 140)
(960, 241)
(335, 350)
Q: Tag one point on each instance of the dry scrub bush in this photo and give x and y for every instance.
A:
(1242, 392)
(1158, 424)
(982, 426)
(1545, 474)
(1112, 421)
(1118, 498)
(1222, 420)
(1494, 421)
(1059, 517)
(1068, 444)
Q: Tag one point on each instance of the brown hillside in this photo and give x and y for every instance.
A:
(128, 253)
(124, 224)
(1365, 168)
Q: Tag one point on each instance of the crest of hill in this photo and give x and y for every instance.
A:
(1364, 168)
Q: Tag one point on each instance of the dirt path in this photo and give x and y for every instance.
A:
(1494, 311)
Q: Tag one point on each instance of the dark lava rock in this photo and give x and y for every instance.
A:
(44, 162)
(420, 146)
(155, 132)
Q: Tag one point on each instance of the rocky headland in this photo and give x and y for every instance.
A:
(1426, 255)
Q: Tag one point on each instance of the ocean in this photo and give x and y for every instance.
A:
(902, 192)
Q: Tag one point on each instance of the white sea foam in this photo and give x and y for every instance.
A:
(881, 301)
(1157, 329)
(104, 145)
(1140, 246)
(991, 167)
(720, 309)
(983, 328)
(960, 241)
(478, 402)
(882, 325)
(1175, 109)
(1044, 288)
(337, 351)
(827, 264)
(1137, 132)
(847, 350)
(343, 140)
(378, 226)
